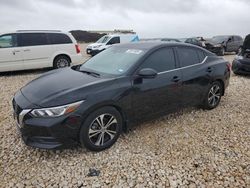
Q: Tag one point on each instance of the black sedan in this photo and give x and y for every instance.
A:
(92, 104)
(241, 64)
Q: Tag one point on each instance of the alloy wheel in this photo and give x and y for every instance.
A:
(103, 129)
(214, 95)
(61, 63)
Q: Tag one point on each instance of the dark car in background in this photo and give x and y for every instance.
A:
(170, 40)
(241, 63)
(225, 43)
(218, 44)
(198, 41)
(91, 104)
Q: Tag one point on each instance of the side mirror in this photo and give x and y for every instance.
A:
(147, 73)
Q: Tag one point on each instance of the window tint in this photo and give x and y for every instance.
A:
(201, 55)
(114, 40)
(32, 39)
(188, 56)
(7, 41)
(160, 60)
(59, 38)
(238, 38)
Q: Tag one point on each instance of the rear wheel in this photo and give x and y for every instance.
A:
(61, 62)
(213, 96)
(101, 129)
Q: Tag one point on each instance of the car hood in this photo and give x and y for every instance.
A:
(62, 86)
(246, 43)
(95, 44)
(213, 43)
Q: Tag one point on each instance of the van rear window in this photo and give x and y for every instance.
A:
(59, 38)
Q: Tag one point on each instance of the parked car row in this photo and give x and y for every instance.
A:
(23, 50)
(91, 104)
(219, 44)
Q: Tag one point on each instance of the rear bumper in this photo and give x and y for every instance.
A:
(241, 67)
(76, 59)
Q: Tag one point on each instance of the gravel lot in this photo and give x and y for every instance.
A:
(192, 148)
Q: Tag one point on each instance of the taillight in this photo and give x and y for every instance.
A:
(229, 66)
(78, 50)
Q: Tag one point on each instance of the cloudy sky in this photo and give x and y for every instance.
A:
(149, 18)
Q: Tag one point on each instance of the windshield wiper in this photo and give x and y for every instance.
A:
(90, 73)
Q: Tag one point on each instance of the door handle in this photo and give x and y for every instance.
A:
(15, 51)
(175, 79)
(209, 69)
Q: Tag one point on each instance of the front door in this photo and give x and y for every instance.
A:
(10, 55)
(161, 94)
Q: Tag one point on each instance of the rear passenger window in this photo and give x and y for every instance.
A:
(59, 38)
(201, 55)
(32, 39)
(188, 56)
(160, 60)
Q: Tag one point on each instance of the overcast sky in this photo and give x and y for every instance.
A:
(149, 18)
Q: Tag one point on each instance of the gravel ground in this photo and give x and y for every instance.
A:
(192, 148)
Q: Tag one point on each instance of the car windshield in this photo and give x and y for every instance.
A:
(219, 39)
(104, 39)
(113, 61)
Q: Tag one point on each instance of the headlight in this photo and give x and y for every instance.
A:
(56, 111)
(217, 45)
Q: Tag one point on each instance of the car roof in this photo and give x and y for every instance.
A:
(33, 31)
(152, 45)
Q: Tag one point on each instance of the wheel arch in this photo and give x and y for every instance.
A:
(223, 85)
(63, 55)
(117, 107)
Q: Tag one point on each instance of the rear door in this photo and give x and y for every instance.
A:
(10, 56)
(196, 74)
(36, 50)
(161, 94)
(61, 44)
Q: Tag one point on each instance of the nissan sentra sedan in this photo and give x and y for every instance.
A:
(93, 103)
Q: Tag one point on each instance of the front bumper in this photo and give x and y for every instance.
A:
(241, 66)
(216, 50)
(92, 52)
(47, 133)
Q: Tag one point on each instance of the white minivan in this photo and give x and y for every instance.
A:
(108, 40)
(23, 50)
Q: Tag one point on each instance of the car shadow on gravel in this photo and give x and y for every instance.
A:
(24, 72)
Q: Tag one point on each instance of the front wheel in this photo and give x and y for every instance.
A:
(101, 129)
(213, 96)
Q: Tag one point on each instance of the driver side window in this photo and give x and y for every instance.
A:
(114, 40)
(161, 60)
(7, 41)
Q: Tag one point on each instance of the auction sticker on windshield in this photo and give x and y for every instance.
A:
(134, 51)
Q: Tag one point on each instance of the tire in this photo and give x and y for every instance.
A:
(94, 135)
(213, 96)
(61, 62)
